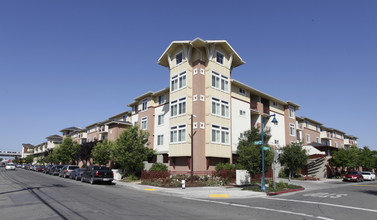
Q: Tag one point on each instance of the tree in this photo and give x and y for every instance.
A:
(130, 150)
(102, 152)
(67, 151)
(353, 157)
(52, 157)
(250, 155)
(340, 159)
(366, 158)
(293, 157)
(41, 160)
(85, 151)
(29, 159)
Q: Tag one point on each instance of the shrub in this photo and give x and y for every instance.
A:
(225, 166)
(158, 167)
(281, 184)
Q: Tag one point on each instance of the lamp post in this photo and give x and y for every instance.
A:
(263, 188)
(192, 147)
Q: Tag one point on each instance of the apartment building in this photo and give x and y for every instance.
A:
(308, 130)
(203, 97)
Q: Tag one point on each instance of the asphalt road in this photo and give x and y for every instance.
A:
(29, 195)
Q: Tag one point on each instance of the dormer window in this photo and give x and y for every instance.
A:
(178, 58)
(242, 91)
(219, 57)
(144, 105)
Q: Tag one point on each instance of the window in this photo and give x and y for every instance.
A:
(178, 81)
(242, 113)
(317, 128)
(242, 135)
(136, 108)
(195, 97)
(307, 124)
(242, 91)
(220, 81)
(276, 142)
(178, 58)
(307, 138)
(195, 125)
(201, 71)
(161, 99)
(336, 144)
(144, 105)
(318, 140)
(178, 134)
(275, 104)
(95, 139)
(220, 107)
(160, 140)
(220, 135)
(291, 112)
(292, 129)
(201, 125)
(160, 120)
(195, 71)
(144, 123)
(342, 136)
(124, 118)
(178, 107)
(334, 133)
(219, 57)
(202, 98)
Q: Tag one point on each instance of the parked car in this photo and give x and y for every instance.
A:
(66, 170)
(354, 176)
(77, 173)
(39, 168)
(55, 170)
(18, 165)
(46, 169)
(368, 176)
(10, 166)
(95, 174)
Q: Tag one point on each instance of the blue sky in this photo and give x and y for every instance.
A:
(73, 63)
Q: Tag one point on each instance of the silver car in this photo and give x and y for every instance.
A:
(10, 166)
(368, 176)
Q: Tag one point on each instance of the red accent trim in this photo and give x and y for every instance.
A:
(240, 99)
(286, 191)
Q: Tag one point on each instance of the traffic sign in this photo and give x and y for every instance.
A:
(266, 148)
(258, 142)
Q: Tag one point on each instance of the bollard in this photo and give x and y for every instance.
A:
(183, 184)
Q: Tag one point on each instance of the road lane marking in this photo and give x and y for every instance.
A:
(322, 203)
(326, 195)
(150, 189)
(366, 185)
(218, 196)
(261, 208)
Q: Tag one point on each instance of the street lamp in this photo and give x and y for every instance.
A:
(274, 121)
(192, 147)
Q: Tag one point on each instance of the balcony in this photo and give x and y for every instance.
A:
(346, 141)
(103, 129)
(299, 126)
(83, 135)
(254, 105)
(326, 135)
(266, 109)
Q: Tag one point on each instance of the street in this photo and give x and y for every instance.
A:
(30, 195)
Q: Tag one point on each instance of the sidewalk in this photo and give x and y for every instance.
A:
(197, 192)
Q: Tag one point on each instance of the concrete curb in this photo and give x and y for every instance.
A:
(286, 191)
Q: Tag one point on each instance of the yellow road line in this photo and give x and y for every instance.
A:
(366, 185)
(218, 196)
(150, 189)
